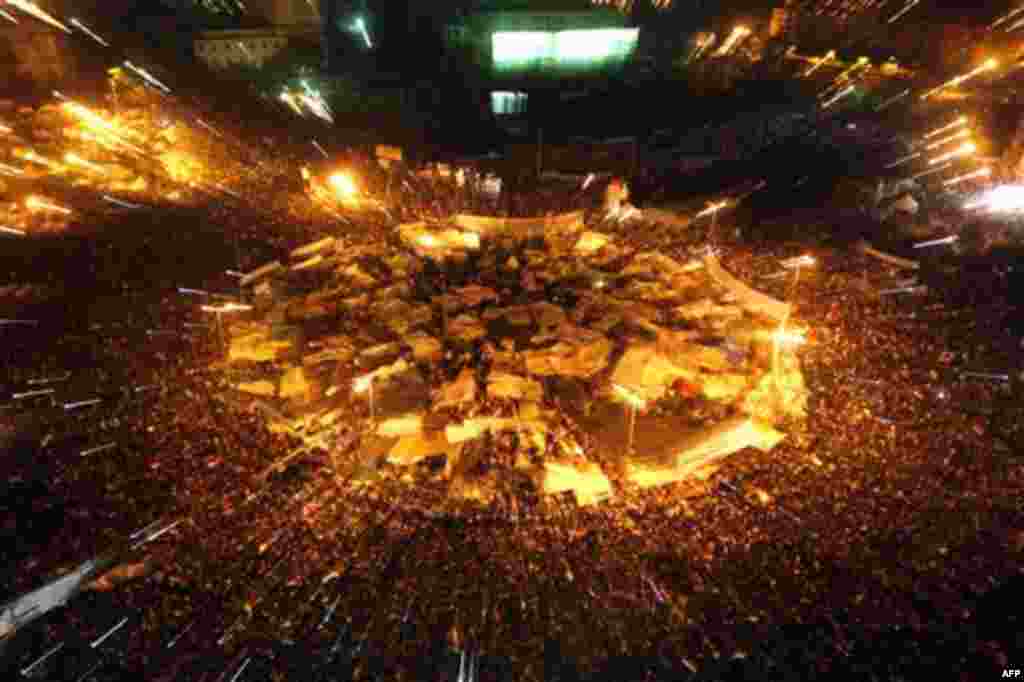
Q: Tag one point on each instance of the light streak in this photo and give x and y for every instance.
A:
(76, 160)
(37, 204)
(958, 122)
(903, 11)
(842, 93)
(953, 82)
(360, 25)
(931, 172)
(1015, 26)
(1007, 16)
(737, 34)
(11, 230)
(798, 262)
(32, 394)
(10, 170)
(110, 632)
(39, 661)
(949, 138)
(198, 292)
(986, 375)
(320, 149)
(29, 322)
(5, 129)
(81, 403)
(118, 202)
(148, 77)
(892, 99)
(903, 290)
(963, 150)
(712, 208)
(936, 242)
(85, 29)
(980, 173)
(821, 62)
(33, 10)
(8, 17)
(226, 308)
(98, 448)
(51, 380)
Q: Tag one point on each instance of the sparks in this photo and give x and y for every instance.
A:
(938, 131)
(842, 93)
(343, 186)
(798, 262)
(734, 38)
(789, 337)
(831, 54)
(11, 230)
(922, 174)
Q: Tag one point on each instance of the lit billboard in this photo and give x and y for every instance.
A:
(574, 50)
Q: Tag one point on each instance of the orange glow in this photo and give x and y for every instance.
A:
(629, 397)
(38, 204)
(343, 186)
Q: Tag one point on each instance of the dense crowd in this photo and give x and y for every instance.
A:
(885, 518)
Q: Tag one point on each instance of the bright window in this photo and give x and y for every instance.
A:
(508, 103)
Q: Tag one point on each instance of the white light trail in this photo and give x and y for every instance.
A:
(842, 93)
(118, 202)
(360, 26)
(949, 138)
(33, 10)
(903, 11)
(1007, 16)
(936, 242)
(932, 171)
(86, 30)
(148, 77)
(963, 150)
(8, 17)
(821, 62)
(958, 122)
(320, 149)
(980, 173)
(892, 99)
(11, 230)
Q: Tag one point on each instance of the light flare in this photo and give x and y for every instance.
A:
(712, 208)
(629, 397)
(73, 159)
(831, 54)
(1002, 199)
(949, 138)
(343, 186)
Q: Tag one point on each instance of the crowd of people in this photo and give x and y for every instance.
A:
(885, 517)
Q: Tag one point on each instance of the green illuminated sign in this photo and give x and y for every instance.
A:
(559, 50)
